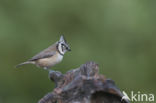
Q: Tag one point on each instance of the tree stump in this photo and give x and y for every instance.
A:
(83, 85)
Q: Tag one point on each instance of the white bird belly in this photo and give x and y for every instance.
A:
(51, 61)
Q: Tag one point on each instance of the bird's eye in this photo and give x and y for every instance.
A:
(63, 46)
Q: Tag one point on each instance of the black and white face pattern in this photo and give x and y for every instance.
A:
(63, 47)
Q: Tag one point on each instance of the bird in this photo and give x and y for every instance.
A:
(50, 56)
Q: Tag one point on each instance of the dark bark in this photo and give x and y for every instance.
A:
(83, 85)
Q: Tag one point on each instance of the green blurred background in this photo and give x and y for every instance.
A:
(120, 35)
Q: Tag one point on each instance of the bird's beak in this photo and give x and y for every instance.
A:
(69, 49)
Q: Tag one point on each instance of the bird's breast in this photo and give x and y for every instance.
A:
(51, 61)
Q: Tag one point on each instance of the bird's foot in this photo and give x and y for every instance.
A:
(51, 71)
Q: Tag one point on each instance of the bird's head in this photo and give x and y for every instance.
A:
(63, 46)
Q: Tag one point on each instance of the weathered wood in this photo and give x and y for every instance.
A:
(83, 85)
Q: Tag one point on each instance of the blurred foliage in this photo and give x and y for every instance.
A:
(120, 35)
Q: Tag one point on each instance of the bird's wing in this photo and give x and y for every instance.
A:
(50, 51)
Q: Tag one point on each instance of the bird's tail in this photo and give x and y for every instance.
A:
(27, 62)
